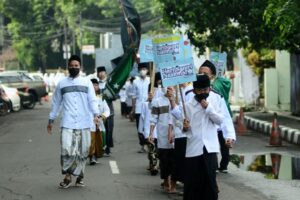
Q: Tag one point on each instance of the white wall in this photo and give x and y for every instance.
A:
(104, 56)
(283, 67)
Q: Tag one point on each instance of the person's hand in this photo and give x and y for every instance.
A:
(49, 128)
(150, 138)
(171, 137)
(150, 96)
(96, 120)
(170, 93)
(229, 143)
(204, 103)
(186, 125)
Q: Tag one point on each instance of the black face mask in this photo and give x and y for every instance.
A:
(200, 97)
(73, 72)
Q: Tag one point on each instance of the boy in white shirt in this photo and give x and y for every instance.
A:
(98, 130)
(160, 117)
(144, 127)
(203, 114)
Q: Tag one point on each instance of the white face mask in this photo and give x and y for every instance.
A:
(143, 72)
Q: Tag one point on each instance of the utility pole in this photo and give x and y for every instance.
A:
(2, 39)
(81, 55)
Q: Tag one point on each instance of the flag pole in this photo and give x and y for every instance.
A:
(177, 95)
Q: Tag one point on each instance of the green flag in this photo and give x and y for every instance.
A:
(118, 76)
(130, 36)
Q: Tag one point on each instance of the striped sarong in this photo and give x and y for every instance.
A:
(75, 145)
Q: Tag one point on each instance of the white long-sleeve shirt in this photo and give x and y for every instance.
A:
(103, 111)
(140, 93)
(129, 93)
(188, 93)
(160, 117)
(76, 99)
(144, 123)
(227, 126)
(203, 125)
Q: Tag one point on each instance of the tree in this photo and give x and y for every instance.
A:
(220, 24)
(36, 27)
(283, 18)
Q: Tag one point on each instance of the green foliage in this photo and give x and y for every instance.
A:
(283, 17)
(260, 59)
(37, 26)
(232, 24)
(220, 24)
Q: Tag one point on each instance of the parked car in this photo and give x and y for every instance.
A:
(29, 88)
(13, 98)
(4, 102)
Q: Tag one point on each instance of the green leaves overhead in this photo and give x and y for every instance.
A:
(33, 27)
(232, 24)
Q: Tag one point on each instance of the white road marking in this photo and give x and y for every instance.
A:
(114, 167)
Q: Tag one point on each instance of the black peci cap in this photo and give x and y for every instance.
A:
(201, 82)
(94, 81)
(101, 69)
(210, 65)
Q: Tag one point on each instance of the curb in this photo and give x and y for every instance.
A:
(288, 134)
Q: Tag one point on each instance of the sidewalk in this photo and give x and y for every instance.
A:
(262, 122)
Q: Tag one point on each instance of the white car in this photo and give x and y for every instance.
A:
(13, 95)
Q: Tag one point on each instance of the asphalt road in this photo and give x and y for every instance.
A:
(30, 166)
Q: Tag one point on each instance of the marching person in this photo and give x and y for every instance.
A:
(75, 97)
(160, 118)
(140, 95)
(109, 122)
(129, 94)
(144, 127)
(226, 132)
(98, 130)
(123, 98)
(177, 137)
(203, 113)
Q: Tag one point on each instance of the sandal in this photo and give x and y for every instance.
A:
(65, 183)
(79, 182)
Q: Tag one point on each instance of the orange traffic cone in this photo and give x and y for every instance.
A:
(276, 158)
(275, 139)
(240, 127)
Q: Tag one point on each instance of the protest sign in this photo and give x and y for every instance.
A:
(220, 61)
(187, 50)
(174, 73)
(167, 49)
(146, 50)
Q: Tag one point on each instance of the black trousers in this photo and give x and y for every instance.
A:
(123, 108)
(224, 151)
(109, 127)
(200, 177)
(140, 135)
(179, 159)
(128, 109)
(166, 163)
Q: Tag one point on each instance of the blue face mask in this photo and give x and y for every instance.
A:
(200, 97)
